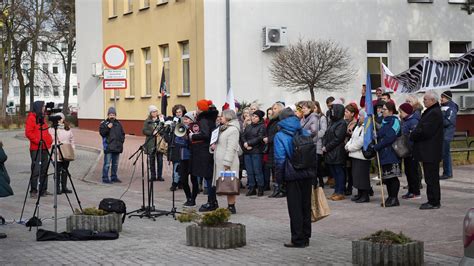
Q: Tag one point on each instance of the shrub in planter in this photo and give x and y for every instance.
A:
(213, 230)
(94, 219)
(387, 248)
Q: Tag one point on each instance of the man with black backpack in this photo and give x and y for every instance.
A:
(295, 164)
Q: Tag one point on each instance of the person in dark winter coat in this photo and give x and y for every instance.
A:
(334, 152)
(36, 129)
(5, 188)
(299, 184)
(271, 130)
(202, 162)
(409, 122)
(113, 137)
(173, 152)
(428, 139)
(252, 145)
(389, 161)
(450, 112)
(152, 144)
(182, 143)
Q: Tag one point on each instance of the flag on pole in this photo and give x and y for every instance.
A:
(230, 100)
(369, 108)
(164, 97)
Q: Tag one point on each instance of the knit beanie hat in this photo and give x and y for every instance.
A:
(259, 113)
(406, 108)
(111, 111)
(447, 94)
(203, 104)
(152, 108)
(190, 115)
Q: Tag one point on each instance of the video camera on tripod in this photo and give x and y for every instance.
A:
(50, 111)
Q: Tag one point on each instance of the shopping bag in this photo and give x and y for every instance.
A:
(319, 205)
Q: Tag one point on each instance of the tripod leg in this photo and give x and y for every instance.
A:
(68, 174)
(35, 161)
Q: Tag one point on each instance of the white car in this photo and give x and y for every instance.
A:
(468, 234)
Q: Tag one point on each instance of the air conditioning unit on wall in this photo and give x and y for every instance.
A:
(274, 37)
(467, 102)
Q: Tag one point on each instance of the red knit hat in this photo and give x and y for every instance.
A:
(406, 108)
(203, 104)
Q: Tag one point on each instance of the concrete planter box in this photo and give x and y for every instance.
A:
(227, 236)
(370, 253)
(105, 223)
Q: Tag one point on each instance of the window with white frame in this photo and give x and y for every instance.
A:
(37, 90)
(46, 68)
(131, 73)
(63, 47)
(144, 4)
(74, 90)
(16, 91)
(185, 63)
(128, 6)
(457, 49)
(55, 90)
(74, 68)
(46, 91)
(417, 50)
(55, 69)
(377, 51)
(147, 56)
(165, 53)
(112, 8)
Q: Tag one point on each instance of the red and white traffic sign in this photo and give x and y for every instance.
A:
(114, 84)
(114, 56)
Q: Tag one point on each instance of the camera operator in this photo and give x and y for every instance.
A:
(35, 130)
(113, 137)
(155, 152)
(65, 136)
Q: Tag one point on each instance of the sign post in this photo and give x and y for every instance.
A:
(114, 57)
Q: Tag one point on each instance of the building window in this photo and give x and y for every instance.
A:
(185, 62)
(112, 8)
(55, 69)
(74, 68)
(128, 6)
(417, 50)
(16, 91)
(63, 47)
(44, 46)
(144, 4)
(147, 56)
(46, 91)
(74, 90)
(165, 53)
(420, 1)
(37, 90)
(55, 91)
(46, 68)
(131, 73)
(25, 68)
(457, 49)
(376, 51)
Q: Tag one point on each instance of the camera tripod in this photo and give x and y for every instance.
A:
(149, 210)
(42, 176)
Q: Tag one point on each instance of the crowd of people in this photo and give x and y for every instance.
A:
(257, 144)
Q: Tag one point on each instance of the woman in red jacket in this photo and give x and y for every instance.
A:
(36, 129)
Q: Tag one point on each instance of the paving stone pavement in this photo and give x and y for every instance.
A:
(148, 242)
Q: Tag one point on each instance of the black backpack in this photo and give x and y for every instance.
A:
(113, 205)
(304, 154)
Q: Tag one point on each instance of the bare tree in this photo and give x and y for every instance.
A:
(64, 31)
(5, 56)
(310, 65)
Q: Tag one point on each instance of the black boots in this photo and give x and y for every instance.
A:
(364, 196)
(252, 192)
(276, 190)
(260, 191)
(209, 207)
(232, 209)
(391, 202)
(190, 203)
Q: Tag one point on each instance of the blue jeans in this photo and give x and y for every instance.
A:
(110, 159)
(253, 164)
(338, 173)
(176, 176)
(447, 163)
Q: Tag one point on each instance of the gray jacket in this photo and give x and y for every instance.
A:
(317, 126)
